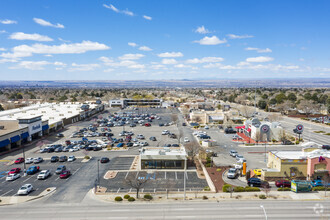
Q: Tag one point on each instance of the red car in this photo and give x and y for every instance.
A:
(283, 183)
(19, 160)
(14, 170)
(65, 174)
(147, 124)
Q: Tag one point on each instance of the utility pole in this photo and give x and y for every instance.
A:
(98, 172)
(255, 99)
(24, 160)
(184, 179)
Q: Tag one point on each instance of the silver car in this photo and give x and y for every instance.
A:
(232, 173)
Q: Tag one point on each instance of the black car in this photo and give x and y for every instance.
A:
(230, 131)
(326, 147)
(175, 145)
(132, 125)
(96, 148)
(104, 160)
(60, 135)
(129, 144)
(287, 142)
(161, 125)
(59, 149)
(172, 135)
(54, 159)
(205, 137)
(257, 182)
(63, 158)
(184, 124)
(153, 138)
(50, 150)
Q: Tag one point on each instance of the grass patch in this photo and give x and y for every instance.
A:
(327, 134)
(318, 132)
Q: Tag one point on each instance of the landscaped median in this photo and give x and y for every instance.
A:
(11, 200)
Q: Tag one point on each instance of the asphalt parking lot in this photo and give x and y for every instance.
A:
(120, 163)
(10, 188)
(156, 181)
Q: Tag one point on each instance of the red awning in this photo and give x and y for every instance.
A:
(240, 127)
(248, 130)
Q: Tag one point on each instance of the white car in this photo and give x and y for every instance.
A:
(206, 127)
(71, 158)
(186, 139)
(37, 160)
(25, 189)
(43, 175)
(12, 176)
(140, 136)
(29, 160)
(232, 173)
(136, 144)
(74, 149)
(238, 166)
(165, 132)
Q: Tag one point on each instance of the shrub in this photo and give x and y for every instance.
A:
(249, 144)
(239, 189)
(127, 196)
(87, 157)
(208, 164)
(327, 133)
(226, 188)
(251, 189)
(205, 197)
(284, 189)
(273, 140)
(320, 188)
(219, 169)
(148, 196)
(206, 188)
(118, 199)
(262, 197)
(131, 199)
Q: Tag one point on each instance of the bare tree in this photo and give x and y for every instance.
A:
(326, 183)
(274, 117)
(136, 183)
(246, 111)
(175, 118)
(307, 106)
(192, 149)
(282, 135)
(265, 188)
(197, 119)
(258, 136)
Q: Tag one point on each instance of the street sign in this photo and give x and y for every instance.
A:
(264, 128)
(300, 128)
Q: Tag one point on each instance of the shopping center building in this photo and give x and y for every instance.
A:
(22, 125)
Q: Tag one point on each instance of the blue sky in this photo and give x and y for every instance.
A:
(172, 39)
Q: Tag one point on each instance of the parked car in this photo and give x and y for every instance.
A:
(230, 131)
(186, 140)
(43, 150)
(129, 144)
(175, 145)
(44, 174)
(104, 160)
(71, 158)
(12, 176)
(14, 170)
(19, 160)
(140, 136)
(283, 183)
(233, 153)
(206, 127)
(172, 135)
(63, 158)
(25, 189)
(60, 169)
(32, 170)
(120, 145)
(238, 157)
(153, 138)
(38, 160)
(54, 159)
(60, 135)
(184, 124)
(326, 147)
(204, 137)
(232, 173)
(287, 142)
(318, 182)
(165, 132)
(29, 160)
(147, 124)
(257, 182)
(65, 174)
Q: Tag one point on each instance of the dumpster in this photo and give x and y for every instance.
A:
(301, 186)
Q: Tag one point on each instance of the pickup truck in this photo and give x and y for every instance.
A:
(32, 170)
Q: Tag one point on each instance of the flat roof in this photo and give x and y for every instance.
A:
(171, 153)
(9, 126)
(300, 155)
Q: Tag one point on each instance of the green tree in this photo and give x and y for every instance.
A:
(307, 96)
(264, 96)
(315, 97)
(1, 108)
(63, 98)
(32, 96)
(272, 101)
(280, 98)
(262, 104)
(292, 97)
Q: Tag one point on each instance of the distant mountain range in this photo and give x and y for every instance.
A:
(184, 83)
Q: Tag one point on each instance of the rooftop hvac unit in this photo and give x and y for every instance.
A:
(161, 152)
(2, 127)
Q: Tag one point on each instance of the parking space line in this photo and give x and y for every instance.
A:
(27, 179)
(3, 181)
(186, 174)
(142, 190)
(76, 171)
(57, 178)
(6, 192)
(118, 190)
(126, 175)
(176, 176)
(137, 174)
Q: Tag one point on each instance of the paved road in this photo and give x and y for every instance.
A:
(93, 209)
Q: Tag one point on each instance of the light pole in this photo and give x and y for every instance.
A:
(184, 179)
(265, 152)
(263, 208)
(98, 172)
(24, 161)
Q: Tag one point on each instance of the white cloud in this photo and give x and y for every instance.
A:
(157, 66)
(2, 49)
(75, 48)
(8, 60)
(31, 65)
(7, 21)
(182, 66)
(3, 31)
(83, 67)
(169, 61)
(214, 40)
(35, 37)
(66, 41)
(106, 59)
(233, 36)
(260, 59)
(145, 48)
(170, 54)
(108, 70)
(205, 60)
(136, 66)
(131, 56)
(202, 30)
(113, 8)
(48, 55)
(147, 17)
(42, 22)
(57, 63)
(267, 50)
(132, 44)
